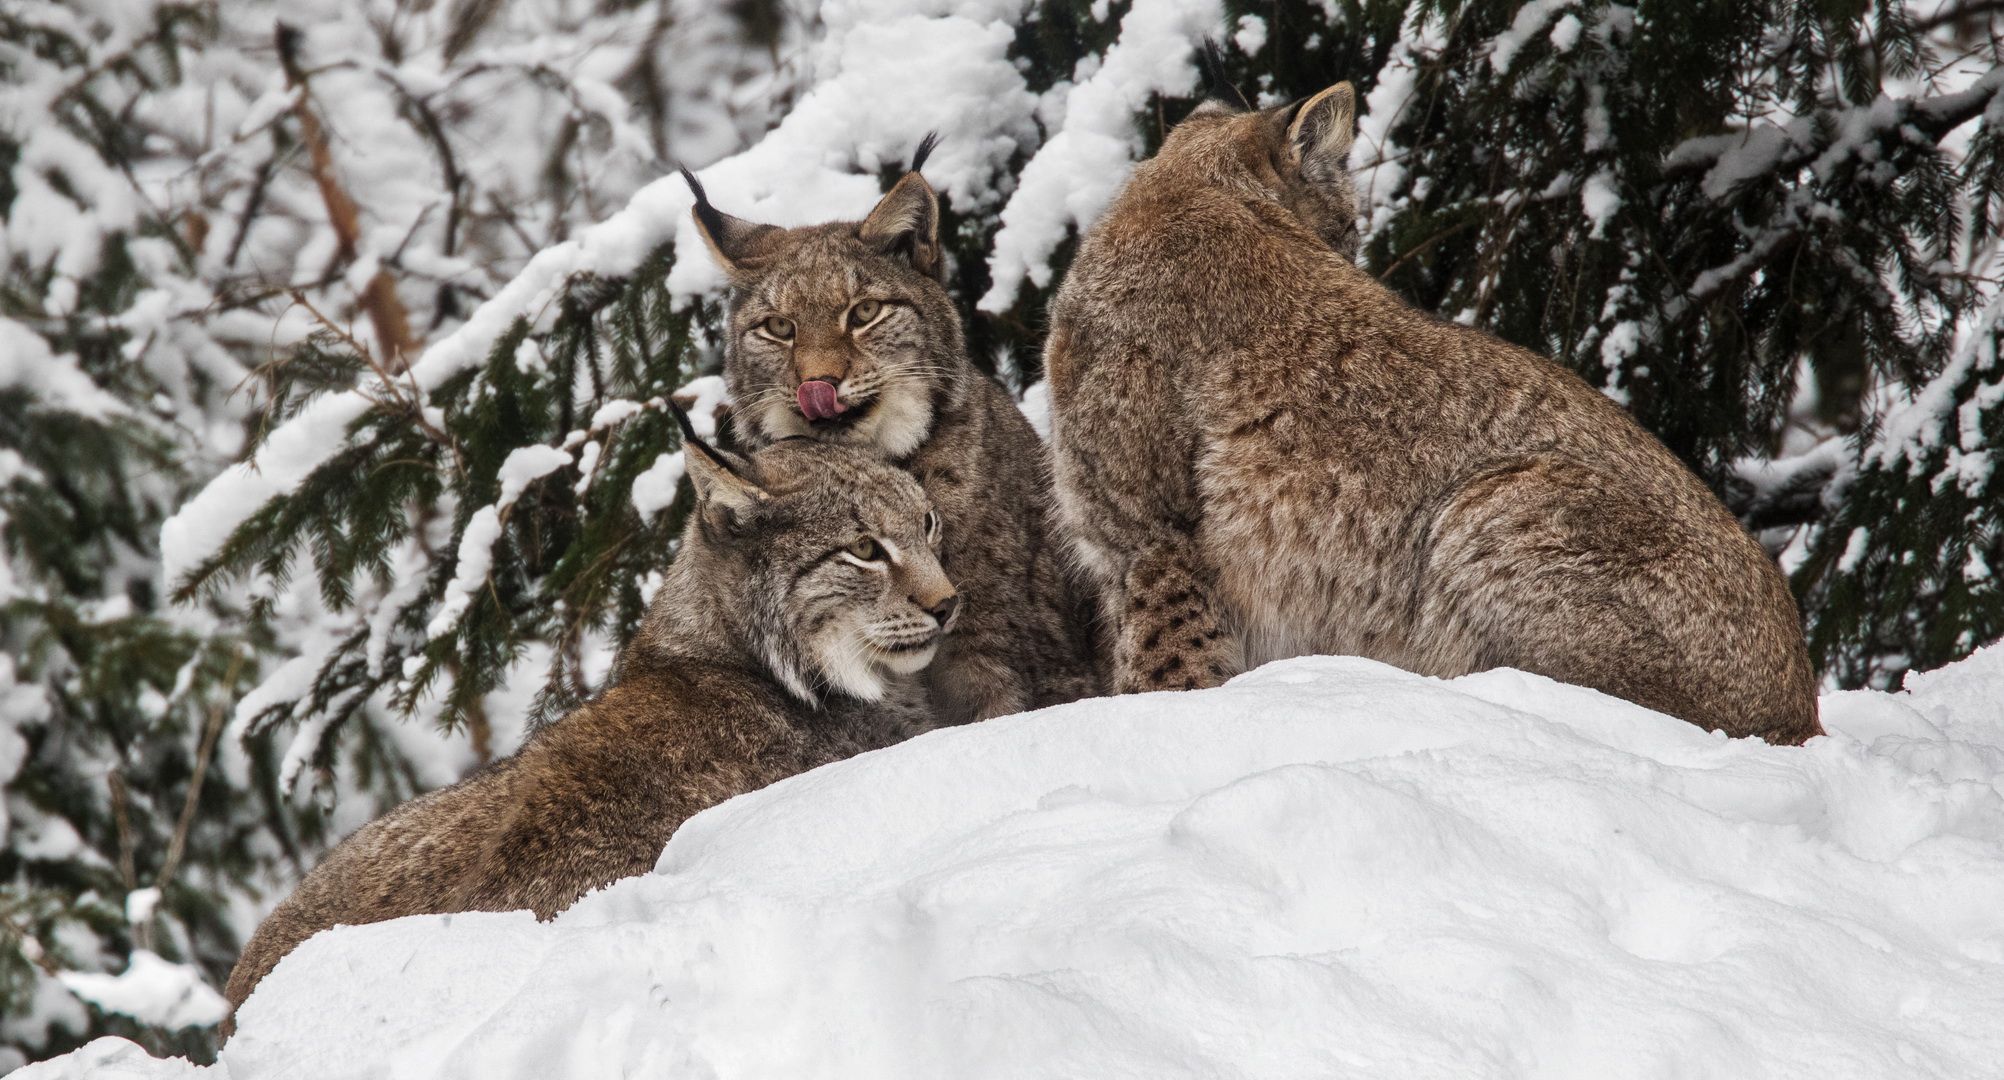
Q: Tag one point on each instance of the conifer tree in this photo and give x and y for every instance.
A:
(1769, 228)
(124, 830)
(1745, 222)
(1754, 224)
(209, 212)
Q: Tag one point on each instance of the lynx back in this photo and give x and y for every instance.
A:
(1262, 452)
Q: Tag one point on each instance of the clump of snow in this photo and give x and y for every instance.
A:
(525, 465)
(1566, 33)
(1251, 34)
(140, 905)
(1531, 18)
(469, 571)
(1376, 158)
(1328, 867)
(283, 462)
(152, 990)
(117, 1059)
(1599, 200)
(1075, 174)
(20, 704)
(1036, 408)
(56, 381)
(1912, 428)
(654, 490)
(702, 399)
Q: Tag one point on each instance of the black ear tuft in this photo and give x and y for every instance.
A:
(924, 151)
(712, 220)
(1217, 85)
(682, 415)
(720, 479)
(691, 439)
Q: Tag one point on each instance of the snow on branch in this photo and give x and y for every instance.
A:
(885, 80)
(1823, 141)
(1075, 174)
(1910, 431)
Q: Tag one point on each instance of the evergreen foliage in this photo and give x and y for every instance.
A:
(107, 696)
(570, 551)
(1904, 575)
(1742, 220)
(204, 225)
(1769, 227)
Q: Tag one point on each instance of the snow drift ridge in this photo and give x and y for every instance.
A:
(1328, 867)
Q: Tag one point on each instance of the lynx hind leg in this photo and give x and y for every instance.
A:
(1552, 566)
(1172, 634)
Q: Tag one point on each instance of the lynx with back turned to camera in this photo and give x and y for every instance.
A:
(790, 631)
(1262, 452)
(843, 333)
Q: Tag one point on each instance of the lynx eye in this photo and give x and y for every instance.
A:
(867, 550)
(864, 313)
(779, 327)
(932, 525)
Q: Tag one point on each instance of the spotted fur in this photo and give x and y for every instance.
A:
(860, 304)
(1262, 452)
(777, 642)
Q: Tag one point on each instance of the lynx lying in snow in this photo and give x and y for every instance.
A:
(843, 333)
(790, 632)
(1262, 452)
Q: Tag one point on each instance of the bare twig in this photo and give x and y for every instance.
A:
(122, 818)
(400, 403)
(207, 749)
(379, 299)
(1958, 13)
(428, 125)
(142, 934)
(1421, 248)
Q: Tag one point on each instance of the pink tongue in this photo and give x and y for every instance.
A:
(818, 400)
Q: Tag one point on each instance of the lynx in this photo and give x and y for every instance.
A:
(789, 632)
(844, 333)
(1262, 452)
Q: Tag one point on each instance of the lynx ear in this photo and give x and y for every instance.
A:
(1323, 129)
(719, 477)
(730, 239)
(906, 221)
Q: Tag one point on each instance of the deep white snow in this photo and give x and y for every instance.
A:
(153, 990)
(1329, 867)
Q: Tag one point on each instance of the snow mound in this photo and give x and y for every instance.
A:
(1329, 867)
(153, 991)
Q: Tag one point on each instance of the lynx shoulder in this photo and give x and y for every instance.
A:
(1262, 452)
(790, 631)
(844, 333)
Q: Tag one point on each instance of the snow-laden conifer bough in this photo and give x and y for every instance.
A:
(1327, 867)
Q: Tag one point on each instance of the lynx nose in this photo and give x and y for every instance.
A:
(943, 611)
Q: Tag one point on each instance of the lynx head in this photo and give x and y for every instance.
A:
(840, 332)
(1297, 154)
(822, 561)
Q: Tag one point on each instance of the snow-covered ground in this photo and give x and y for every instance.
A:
(1328, 867)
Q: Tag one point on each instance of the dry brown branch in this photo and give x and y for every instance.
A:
(210, 731)
(386, 311)
(121, 817)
